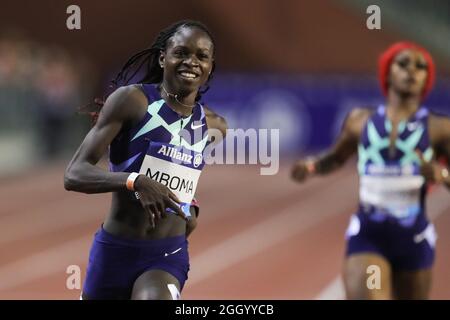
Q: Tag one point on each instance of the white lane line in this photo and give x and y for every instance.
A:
(334, 291)
(50, 217)
(45, 263)
(289, 222)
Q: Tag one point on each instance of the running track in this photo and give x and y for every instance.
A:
(259, 237)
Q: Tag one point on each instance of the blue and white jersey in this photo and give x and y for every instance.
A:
(164, 146)
(391, 185)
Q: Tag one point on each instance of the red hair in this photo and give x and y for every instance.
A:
(385, 61)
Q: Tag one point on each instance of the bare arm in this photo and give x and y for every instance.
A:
(440, 136)
(217, 128)
(82, 174)
(192, 222)
(345, 146)
(216, 124)
(446, 153)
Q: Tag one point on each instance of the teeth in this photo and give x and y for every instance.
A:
(188, 75)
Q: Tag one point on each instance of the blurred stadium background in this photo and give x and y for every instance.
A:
(298, 66)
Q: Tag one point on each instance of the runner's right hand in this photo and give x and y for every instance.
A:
(431, 170)
(155, 198)
(301, 170)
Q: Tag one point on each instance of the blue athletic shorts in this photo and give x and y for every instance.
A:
(405, 248)
(116, 262)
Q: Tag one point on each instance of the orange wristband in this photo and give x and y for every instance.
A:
(130, 180)
(310, 166)
(444, 173)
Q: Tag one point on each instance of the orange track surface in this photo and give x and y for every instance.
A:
(259, 237)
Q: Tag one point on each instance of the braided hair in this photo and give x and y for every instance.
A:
(150, 59)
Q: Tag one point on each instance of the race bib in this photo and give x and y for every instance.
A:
(398, 196)
(175, 167)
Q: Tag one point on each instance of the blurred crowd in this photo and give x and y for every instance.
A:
(41, 88)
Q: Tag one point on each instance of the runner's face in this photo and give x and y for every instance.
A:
(188, 59)
(409, 71)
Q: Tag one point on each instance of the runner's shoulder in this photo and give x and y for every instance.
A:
(126, 103)
(215, 121)
(357, 118)
(439, 126)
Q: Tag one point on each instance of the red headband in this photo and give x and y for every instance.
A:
(385, 61)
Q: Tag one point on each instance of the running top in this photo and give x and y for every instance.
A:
(164, 146)
(391, 186)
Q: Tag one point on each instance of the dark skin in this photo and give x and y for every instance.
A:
(407, 79)
(190, 50)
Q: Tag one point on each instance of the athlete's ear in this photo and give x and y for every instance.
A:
(161, 58)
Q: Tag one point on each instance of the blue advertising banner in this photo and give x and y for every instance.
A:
(308, 110)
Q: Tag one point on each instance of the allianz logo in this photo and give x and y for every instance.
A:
(180, 156)
(390, 169)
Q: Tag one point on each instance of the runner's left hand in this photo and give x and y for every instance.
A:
(432, 170)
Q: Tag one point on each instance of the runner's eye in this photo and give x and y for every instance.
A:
(180, 52)
(421, 65)
(403, 63)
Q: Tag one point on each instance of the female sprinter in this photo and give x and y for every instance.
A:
(396, 145)
(156, 132)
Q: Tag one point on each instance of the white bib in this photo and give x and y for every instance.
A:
(177, 168)
(398, 196)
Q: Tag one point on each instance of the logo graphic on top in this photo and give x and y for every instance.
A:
(198, 160)
(193, 127)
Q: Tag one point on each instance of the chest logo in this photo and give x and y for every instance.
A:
(193, 127)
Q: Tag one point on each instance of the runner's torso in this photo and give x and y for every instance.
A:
(167, 148)
(391, 186)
